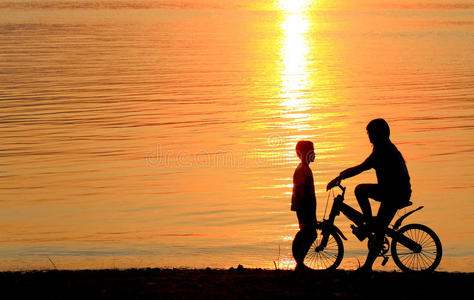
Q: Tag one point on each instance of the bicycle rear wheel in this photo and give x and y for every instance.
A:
(426, 260)
(327, 258)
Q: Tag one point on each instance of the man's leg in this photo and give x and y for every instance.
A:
(384, 217)
(363, 192)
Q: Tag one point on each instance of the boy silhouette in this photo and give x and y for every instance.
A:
(393, 188)
(303, 202)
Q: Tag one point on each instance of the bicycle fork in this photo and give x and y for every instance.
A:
(328, 224)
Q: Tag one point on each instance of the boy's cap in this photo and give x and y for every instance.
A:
(304, 146)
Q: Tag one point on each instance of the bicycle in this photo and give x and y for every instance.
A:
(414, 247)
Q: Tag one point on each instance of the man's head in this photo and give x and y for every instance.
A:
(305, 151)
(378, 131)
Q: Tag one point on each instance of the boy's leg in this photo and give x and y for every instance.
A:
(296, 248)
(305, 237)
(298, 240)
(302, 243)
(309, 235)
(363, 192)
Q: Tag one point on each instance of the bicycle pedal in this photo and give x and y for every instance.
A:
(385, 260)
(358, 233)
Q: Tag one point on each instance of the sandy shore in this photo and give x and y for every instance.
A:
(232, 283)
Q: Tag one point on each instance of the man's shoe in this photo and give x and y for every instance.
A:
(359, 232)
(364, 269)
(370, 222)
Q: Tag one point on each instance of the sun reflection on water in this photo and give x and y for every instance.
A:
(294, 6)
(295, 73)
(294, 52)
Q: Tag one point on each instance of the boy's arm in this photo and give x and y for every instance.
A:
(298, 191)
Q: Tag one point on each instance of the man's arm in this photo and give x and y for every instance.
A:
(350, 172)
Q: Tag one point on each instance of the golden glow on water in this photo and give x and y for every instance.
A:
(120, 128)
(294, 6)
(295, 84)
(295, 71)
(294, 52)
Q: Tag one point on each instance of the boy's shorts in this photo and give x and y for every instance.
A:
(306, 218)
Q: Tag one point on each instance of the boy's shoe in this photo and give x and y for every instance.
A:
(302, 268)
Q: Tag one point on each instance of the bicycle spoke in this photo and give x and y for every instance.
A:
(431, 259)
(430, 255)
(426, 262)
(324, 258)
(426, 240)
(404, 254)
(427, 258)
(409, 260)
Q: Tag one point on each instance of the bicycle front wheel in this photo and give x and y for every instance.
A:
(426, 259)
(327, 258)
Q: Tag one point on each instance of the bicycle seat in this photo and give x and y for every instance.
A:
(405, 204)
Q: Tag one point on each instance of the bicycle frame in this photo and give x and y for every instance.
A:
(357, 217)
(413, 247)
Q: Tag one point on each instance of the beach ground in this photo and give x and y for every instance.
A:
(232, 283)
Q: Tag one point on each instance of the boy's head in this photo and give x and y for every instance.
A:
(378, 131)
(305, 151)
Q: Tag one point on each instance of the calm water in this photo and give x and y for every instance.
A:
(147, 135)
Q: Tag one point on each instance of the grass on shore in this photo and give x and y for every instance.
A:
(232, 283)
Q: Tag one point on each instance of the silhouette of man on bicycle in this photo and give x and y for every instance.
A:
(393, 188)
